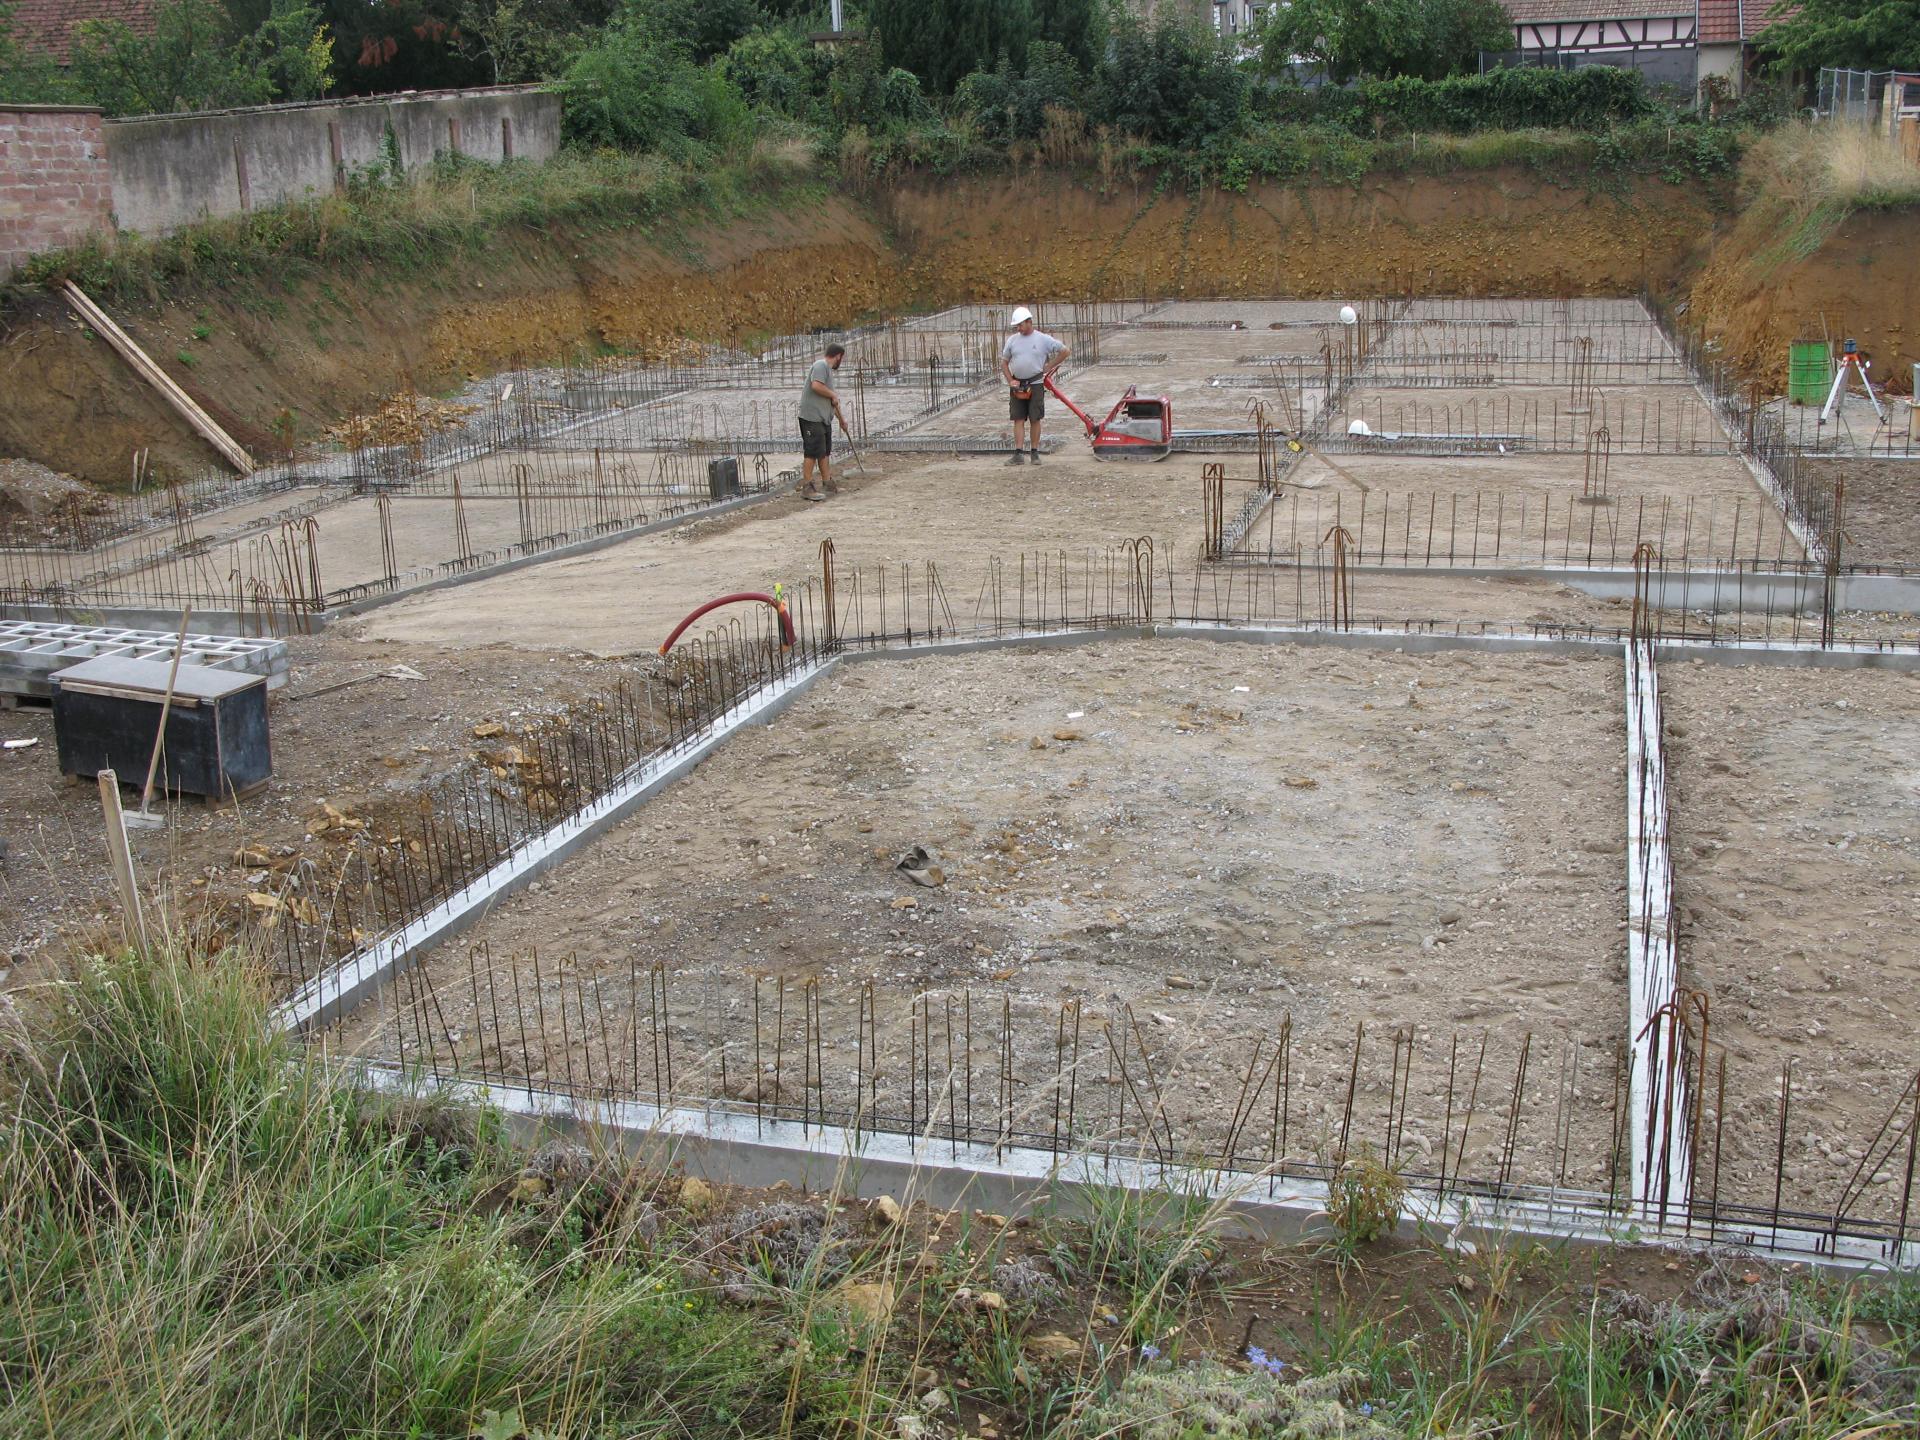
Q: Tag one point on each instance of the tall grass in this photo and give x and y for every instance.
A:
(1803, 179)
(1834, 163)
(203, 1235)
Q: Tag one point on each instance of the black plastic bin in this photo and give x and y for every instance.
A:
(106, 712)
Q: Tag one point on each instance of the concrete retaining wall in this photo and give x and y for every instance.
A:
(67, 175)
(171, 170)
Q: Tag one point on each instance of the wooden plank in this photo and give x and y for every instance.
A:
(121, 854)
(182, 402)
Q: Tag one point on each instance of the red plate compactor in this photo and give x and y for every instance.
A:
(1140, 427)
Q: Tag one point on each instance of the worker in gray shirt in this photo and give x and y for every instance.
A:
(1028, 361)
(819, 405)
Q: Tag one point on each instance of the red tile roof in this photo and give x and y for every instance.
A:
(1720, 21)
(1545, 12)
(46, 26)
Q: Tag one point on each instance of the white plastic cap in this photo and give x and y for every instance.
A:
(1349, 315)
(1021, 314)
(1359, 427)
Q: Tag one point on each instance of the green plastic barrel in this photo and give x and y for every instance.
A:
(1809, 372)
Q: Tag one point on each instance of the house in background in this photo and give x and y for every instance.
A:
(45, 27)
(1728, 30)
(1235, 19)
(1671, 42)
(1658, 38)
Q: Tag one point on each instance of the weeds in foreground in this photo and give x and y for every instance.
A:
(1150, 1251)
(203, 1233)
(1364, 1199)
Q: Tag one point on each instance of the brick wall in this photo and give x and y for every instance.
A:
(55, 188)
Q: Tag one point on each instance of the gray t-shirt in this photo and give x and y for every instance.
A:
(816, 407)
(1027, 355)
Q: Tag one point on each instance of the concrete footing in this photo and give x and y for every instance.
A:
(728, 1147)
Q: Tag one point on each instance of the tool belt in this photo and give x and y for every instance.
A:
(1023, 389)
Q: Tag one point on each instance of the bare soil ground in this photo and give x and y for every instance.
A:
(370, 749)
(1882, 508)
(1525, 509)
(1660, 419)
(1796, 836)
(1216, 836)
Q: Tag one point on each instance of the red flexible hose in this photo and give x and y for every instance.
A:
(779, 608)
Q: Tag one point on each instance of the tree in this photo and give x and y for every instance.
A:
(779, 70)
(402, 45)
(1851, 34)
(1175, 83)
(529, 40)
(27, 78)
(199, 57)
(1427, 39)
(1076, 26)
(635, 88)
(1009, 106)
(942, 41)
(706, 29)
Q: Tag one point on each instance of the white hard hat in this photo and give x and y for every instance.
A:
(1021, 314)
(1348, 315)
(1359, 427)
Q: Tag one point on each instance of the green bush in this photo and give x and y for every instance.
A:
(942, 41)
(1591, 98)
(1174, 83)
(1008, 106)
(706, 29)
(780, 71)
(634, 89)
(864, 90)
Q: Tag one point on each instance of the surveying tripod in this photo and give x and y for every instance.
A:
(1850, 361)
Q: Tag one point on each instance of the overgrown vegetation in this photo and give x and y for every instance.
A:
(415, 225)
(1802, 180)
(1849, 34)
(197, 55)
(204, 1235)
(203, 1232)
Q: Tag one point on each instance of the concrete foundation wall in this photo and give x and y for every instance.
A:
(67, 175)
(54, 186)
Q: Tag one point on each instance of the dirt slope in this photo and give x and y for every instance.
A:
(1499, 232)
(260, 358)
(321, 349)
(1862, 281)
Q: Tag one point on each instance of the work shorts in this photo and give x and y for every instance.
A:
(816, 439)
(1034, 407)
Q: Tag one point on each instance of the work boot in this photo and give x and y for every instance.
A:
(1036, 457)
(1017, 458)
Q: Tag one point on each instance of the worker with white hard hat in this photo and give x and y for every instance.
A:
(1028, 361)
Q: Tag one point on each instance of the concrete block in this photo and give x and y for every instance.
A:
(33, 651)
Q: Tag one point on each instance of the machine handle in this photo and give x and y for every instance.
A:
(1092, 429)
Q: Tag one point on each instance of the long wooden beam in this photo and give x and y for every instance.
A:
(143, 364)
